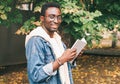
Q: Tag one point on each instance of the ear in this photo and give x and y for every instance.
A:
(42, 18)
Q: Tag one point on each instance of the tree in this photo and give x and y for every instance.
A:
(82, 18)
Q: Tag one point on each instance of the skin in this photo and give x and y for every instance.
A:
(52, 26)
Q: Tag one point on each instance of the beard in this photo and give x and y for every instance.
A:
(52, 29)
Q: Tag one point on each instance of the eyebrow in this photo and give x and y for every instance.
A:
(55, 15)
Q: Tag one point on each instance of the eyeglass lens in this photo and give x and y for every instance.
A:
(53, 17)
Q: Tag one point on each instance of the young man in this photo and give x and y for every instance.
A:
(47, 56)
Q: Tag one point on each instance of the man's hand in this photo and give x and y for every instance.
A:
(68, 55)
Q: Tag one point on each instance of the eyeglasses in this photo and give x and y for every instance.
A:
(53, 17)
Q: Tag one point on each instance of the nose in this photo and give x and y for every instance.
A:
(56, 20)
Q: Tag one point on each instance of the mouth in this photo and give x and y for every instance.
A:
(54, 26)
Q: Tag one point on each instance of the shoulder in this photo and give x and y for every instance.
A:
(36, 41)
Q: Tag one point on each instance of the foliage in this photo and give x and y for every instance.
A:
(27, 26)
(80, 23)
(77, 22)
(4, 9)
(81, 18)
(8, 13)
(111, 13)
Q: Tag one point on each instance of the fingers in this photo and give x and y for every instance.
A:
(73, 52)
(69, 54)
(74, 49)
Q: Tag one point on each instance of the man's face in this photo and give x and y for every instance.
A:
(52, 19)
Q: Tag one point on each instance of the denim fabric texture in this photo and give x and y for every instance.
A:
(39, 57)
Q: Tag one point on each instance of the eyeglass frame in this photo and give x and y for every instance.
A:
(52, 17)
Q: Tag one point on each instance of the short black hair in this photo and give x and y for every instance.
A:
(47, 5)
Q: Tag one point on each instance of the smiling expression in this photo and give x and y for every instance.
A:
(52, 19)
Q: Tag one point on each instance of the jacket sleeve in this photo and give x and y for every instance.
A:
(38, 70)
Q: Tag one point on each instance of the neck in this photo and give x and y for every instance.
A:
(51, 34)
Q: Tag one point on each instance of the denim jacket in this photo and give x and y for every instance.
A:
(39, 57)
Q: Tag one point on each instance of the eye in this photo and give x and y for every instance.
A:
(51, 16)
(59, 17)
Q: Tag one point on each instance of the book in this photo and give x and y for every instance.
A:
(79, 45)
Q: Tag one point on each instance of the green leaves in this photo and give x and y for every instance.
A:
(82, 18)
(4, 9)
(28, 25)
(81, 23)
(3, 12)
